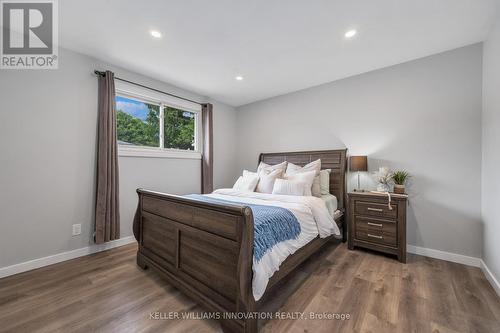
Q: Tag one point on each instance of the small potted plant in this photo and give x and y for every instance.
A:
(400, 177)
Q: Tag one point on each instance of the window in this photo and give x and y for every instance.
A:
(156, 128)
(138, 123)
(179, 129)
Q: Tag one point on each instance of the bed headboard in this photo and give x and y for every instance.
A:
(330, 159)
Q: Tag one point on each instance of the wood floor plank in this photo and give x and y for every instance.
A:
(317, 273)
(470, 298)
(107, 292)
(440, 292)
(373, 324)
(488, 295)
(383, 301)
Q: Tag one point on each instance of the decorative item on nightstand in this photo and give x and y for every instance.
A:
(400, 177)
(358, 163)
(383, 176)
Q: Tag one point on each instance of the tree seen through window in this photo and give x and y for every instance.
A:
(138, 124)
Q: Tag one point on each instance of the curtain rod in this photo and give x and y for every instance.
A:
(146, 87)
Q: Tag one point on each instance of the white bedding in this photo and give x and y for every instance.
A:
(314, 220)
(330, 202)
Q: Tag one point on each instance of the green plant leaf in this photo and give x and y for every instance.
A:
(400, 177)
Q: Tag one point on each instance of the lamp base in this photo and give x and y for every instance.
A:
(359, 186)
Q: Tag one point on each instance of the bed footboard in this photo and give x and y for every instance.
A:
(204, 249)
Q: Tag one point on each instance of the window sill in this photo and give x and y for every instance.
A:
(157, 153)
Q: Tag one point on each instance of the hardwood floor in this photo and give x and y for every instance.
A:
(107, 292)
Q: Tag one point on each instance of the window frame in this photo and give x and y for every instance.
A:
(160, 151)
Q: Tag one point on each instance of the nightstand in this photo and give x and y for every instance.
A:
(374, 226)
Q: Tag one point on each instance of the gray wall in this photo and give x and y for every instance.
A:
(423, 116)
(491, 152)
(48, 122)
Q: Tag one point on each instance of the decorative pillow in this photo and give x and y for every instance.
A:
(288, 187)
(313, 166)
(246, 182)
(267, 179)
(324, 179)
(303, 177)
(268, 167)
(247, 173)
(316, 187)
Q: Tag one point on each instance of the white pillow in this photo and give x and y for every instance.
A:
(316, 187)
(303, 177)
(246, 183)
(250, 173)
(313, 166)
(267, 179)
(324, 179)
(288, 187)
(268, 167)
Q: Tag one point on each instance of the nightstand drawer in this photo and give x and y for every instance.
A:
(377, 225)
(378, 237)
(375, 209)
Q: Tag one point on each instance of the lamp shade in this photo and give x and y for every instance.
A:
(359, 163)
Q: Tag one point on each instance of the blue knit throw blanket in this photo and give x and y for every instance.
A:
(272, 224)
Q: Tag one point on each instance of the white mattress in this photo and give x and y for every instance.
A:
(331, 203)
(312, 215)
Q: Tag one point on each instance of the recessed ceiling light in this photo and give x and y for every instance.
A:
(155, 34)
(239, 78)
(351, 33)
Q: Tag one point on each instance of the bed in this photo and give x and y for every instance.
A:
(205, 248)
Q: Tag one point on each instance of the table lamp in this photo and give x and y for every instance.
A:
(359, 163)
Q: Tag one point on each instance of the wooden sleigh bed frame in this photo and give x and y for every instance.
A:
(206, 249)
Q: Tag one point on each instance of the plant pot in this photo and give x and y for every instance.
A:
(399, 189)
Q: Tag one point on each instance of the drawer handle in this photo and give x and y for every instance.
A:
(375, 209)
(374, 236)
(375, 224)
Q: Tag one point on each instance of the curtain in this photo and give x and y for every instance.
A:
(207, 163)
(107, 215)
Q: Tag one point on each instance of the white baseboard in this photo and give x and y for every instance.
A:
(490, 277)
(448, 256)
(458, 258)
(56, 258)
(60, 257)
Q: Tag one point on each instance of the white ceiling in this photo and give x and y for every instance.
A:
(277, 46)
